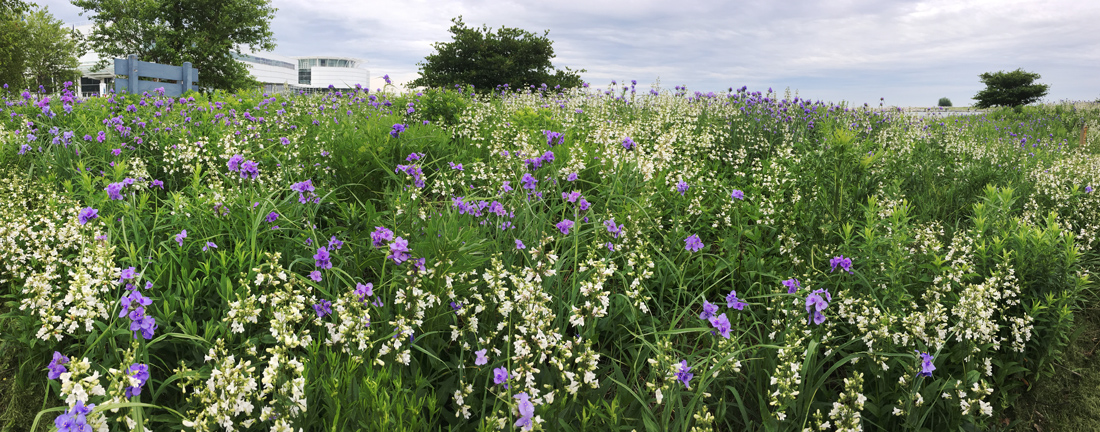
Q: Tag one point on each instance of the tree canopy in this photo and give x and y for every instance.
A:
(1013, 88)
(485, 59)
(12, 33)
(207, 33)
(53, 52)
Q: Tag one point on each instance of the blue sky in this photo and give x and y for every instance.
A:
(909, 52)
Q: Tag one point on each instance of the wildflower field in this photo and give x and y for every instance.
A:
(616, 259)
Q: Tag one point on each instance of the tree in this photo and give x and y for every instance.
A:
(945, 102)
(52, 51)
(1014, 88)
(486, 59)
(207, 33)
(12, 35)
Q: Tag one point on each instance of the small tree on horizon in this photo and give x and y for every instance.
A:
(485, 59)
(945, 102)
(1013, 89)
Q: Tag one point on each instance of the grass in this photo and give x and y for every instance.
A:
(1069, 400)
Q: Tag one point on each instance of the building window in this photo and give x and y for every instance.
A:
(304, 76)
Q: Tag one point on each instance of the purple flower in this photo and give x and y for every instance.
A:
(526, 411)
(113, 190)
(333, 243)
(628, 143)
(571, 196)
(709, 309)
(209, 245)
(455, 166)
(305, 191)
(116, 152)
(179, 237)
(844, 263)
(815, 304)
(250, 169)
(722, 324)
(419, 264)
(55, 367)
(364, 291)
(682, 187)
(571, 177)
(738, 195)
(528, 181)
(611, 228)
(128, 274)
(564, 226)
(315, 275)
(733, 302)
(481, 359)
(380, 236)
(519, 244)
(322, 258)
(399, 250)
(139, 321)
(87, 214)
(74, 420)
(271, 217)
(500, 376)
(693, 244)
(684, 374)
(411, 157)
(323, 308)
(157, 183)
(583, 205)
(926, 366)
(133, 301)
(235, 162)
(140, 372)
(397, 129)
(1088, 189)
(792, 285)
(611, 246)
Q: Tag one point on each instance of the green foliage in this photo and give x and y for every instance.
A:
(944, 102)
(207, 33)
(13, 33)
(484, 59)
(52, 51)
(1015, 88)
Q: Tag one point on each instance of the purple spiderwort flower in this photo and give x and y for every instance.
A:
(721, 324)
(693, 243)
(179, 237)
(235, 162)
(737, 194)
(419, 264)
(709, 309)
(571, 177)
(528, 181)
(397, 129)
(815, 304)
(684, 375)
(500, 376)
(74, 420)
(481, 359)
(323, 308)
(381, 236)
(250, 169)
(55, 367)
(209, 245)
(271, 217)
(682, 187)
(926, 366)
(526, 411)
(87, 214)
(611, 228)
(564, 226)
(364, 291)
(399, 251)
(128, 274)
(157, 183)
(113, 190)
(519, 244)
(333, 243)
(628, 143)
(610, 246)
(1088, 189)
(315, 275)
(322, 258)
(792, 285)
(733, 302)
(844, 263)
(139, 372)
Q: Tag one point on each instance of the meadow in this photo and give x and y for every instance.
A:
(535, 259)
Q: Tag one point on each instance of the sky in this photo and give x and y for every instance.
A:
(909, 53)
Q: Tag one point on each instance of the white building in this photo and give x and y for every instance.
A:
(275, 72)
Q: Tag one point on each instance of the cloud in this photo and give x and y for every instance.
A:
(910, 52)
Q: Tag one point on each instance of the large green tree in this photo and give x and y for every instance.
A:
(207, 33)
(486, 59)
(53, 51)
(1014, 88)
(12, 34)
